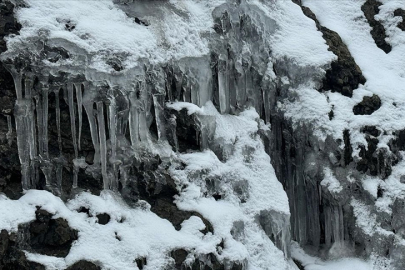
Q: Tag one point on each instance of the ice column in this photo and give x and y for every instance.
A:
(223, 83)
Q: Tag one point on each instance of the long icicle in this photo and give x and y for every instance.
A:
(72, 113)
(113, 139)
(79, 97)
(103, 143)
(57, 93)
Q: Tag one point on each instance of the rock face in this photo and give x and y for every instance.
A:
(400, 13)
(344, 75)
(12, 257)
(52, 237)
(78, 128)
(367, 106)
(10, 170)
(83, 265)
(370, 9)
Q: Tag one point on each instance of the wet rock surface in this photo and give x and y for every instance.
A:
(370, 9)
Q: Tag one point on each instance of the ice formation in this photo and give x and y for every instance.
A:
(227, 100)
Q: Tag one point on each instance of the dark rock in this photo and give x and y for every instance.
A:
(103, 219)
(400, 13)
(115, 63)
(370, 9)
(368, 105)
(371, 130)
(84, 265)
(179, 256)
(348, 148)
(10, 172)
(331, 114)
(11, 257)
(344, 75)
(157, 188)
(84, 210)
(141, 262)
(140, 22)
(49, 236)
(299, 264)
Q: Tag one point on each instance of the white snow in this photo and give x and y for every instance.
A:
(103, 28)
(314, 263)
(246, 181)
(330, 182)
(256, 177)
(384, 72)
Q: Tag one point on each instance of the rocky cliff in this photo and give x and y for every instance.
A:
(201, 135)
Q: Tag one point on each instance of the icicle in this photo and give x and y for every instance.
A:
(93, 130)
(103, 143)
(17, 77)
(46, 168)
(72, 113)
(134, 119)
(223, 84)
(21, 111)
(57, 105)
(173, 126)
(32, 134)
(59, 173)
(158, 101)
(9, 133)
(29, 84)
(39, 110)
(79, 98)
(113, 139)
(78, 163)
(45, 112)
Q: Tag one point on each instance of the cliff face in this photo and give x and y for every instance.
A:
(245, 125)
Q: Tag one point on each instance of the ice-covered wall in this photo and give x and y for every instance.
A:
(181, 103)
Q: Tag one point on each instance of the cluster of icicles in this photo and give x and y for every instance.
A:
(126, 109)
(31, 119)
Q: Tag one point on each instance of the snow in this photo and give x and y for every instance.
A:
(179, 34)
(294, 28)
(314, 263)
(384, 72)
(330, 182)
(142, 233)
(246, 181)
(252, 173)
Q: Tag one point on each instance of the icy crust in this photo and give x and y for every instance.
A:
(160, 31)
(246, 184)
(170, 29)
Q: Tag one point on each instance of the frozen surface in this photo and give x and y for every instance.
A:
(314, 263)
